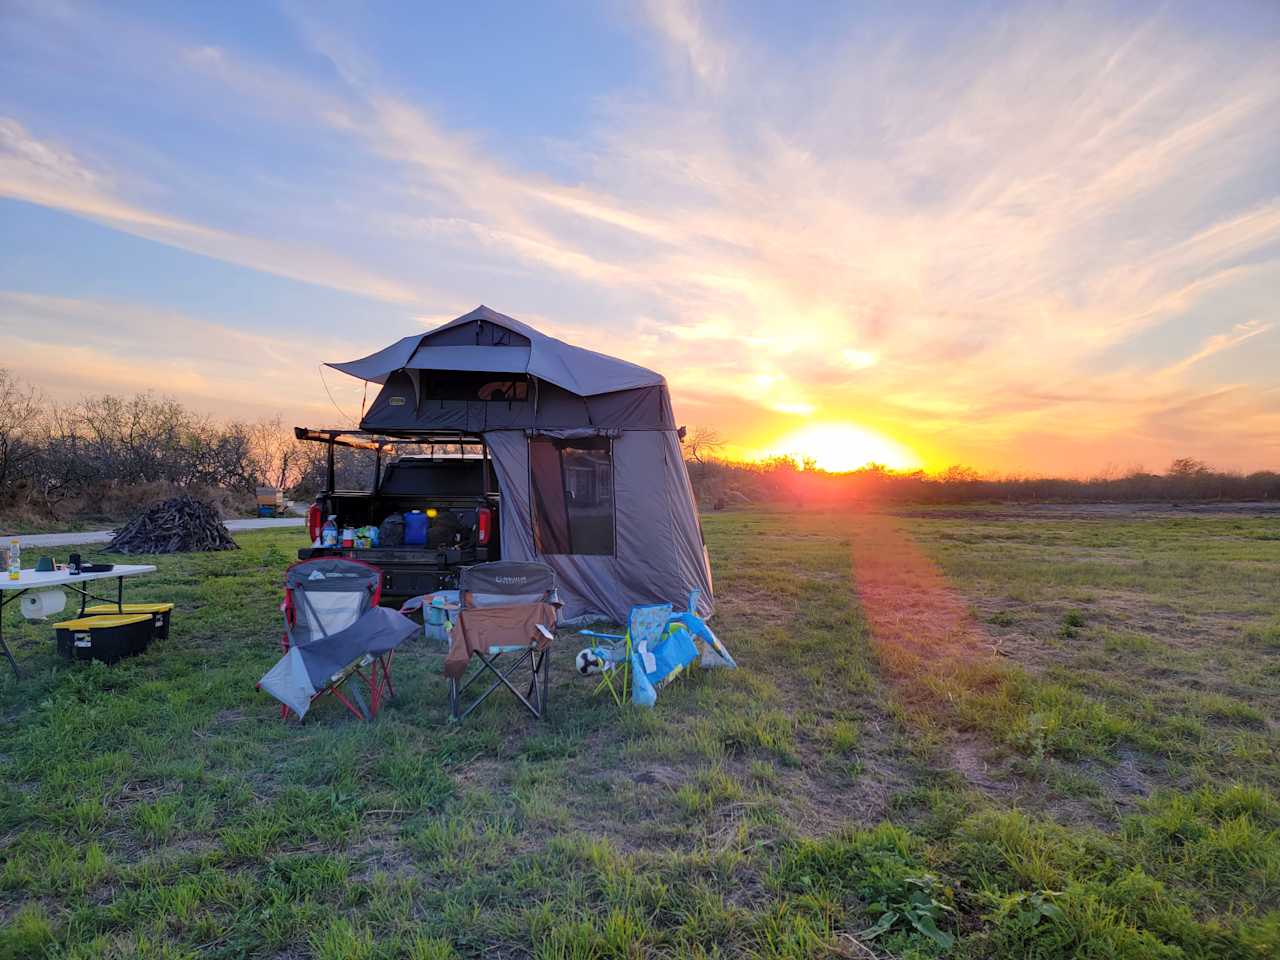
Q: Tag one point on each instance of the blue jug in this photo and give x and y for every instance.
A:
(415, 528)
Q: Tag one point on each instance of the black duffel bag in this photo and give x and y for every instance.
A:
(391, 531)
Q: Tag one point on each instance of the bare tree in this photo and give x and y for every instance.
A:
(278, 458)
(60, 470)
(1188, 467)
(959, 473)
(702, 444)
(20, 428)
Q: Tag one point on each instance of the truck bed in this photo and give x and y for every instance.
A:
(407, 571)
(456, 488)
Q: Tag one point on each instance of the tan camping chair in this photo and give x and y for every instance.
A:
(507, 608)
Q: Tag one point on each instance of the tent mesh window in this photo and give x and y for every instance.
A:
(572, 485)
(493, 387)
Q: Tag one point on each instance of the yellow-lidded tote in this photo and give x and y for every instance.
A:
(161, 613)
(105, 638)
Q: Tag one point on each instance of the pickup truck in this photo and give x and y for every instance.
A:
(452, 482)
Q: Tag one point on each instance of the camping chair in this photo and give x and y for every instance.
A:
(659, 646)
(646, 625)
(335, 632)
(505, 608)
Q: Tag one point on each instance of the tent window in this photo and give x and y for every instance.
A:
(572, 483)
(456, 385)
(504, 390)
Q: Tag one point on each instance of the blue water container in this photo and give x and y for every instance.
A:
(415, 528)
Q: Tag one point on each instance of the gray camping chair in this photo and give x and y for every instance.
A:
(335, 632)
(506, 608)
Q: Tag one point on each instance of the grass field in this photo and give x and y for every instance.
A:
(978, 733)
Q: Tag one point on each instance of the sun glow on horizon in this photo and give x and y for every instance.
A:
(840, 447)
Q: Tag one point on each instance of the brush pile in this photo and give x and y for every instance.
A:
(181, 525)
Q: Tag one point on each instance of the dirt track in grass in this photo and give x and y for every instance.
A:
(914, 612)
(926, 636)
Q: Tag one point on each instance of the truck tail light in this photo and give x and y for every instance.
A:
(314, 521)
(484, 525)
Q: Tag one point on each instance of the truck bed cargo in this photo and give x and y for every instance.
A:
(451, 484)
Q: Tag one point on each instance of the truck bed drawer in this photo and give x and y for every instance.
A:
(399, 583)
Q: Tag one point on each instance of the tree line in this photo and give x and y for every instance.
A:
(59, 459)
(104, 455)
(720, 483)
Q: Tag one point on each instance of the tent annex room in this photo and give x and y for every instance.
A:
(584, 446)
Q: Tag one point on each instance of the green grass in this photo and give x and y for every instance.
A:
(1152, 636)
(1107, 789)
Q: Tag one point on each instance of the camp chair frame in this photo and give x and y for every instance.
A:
(378, 677)
(621, 666)
(638, 631)
(536, 654)
(534, 698)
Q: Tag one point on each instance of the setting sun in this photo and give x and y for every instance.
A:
(842, 446)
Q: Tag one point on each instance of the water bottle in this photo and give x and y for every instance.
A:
(15, 559)
(329, 532)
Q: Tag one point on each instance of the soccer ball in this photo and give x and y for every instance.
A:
(588, 663)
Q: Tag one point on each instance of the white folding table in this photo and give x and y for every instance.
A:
(36, 580)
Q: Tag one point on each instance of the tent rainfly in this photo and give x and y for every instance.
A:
(584, 447)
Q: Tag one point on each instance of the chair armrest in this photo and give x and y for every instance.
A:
(413, 604)
(602, 636)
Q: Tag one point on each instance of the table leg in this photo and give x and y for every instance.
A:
(4, 646)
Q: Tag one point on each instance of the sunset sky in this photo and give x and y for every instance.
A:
(1015, 236)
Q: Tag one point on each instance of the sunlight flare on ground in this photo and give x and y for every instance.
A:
(844, 446)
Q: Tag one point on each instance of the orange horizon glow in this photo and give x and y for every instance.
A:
(839, 447)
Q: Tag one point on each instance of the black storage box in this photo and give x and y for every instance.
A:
(106, 638)
(160, 614)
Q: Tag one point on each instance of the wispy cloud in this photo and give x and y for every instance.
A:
(39, 172)
(692, 47)
(1218, 343)
(76, 346)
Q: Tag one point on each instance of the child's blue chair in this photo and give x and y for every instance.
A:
(654, 651)
(646, 625)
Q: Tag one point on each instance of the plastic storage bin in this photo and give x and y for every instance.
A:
(161, 613)
(438, 614)
(105, 638)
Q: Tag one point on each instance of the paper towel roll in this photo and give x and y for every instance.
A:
(43, 603)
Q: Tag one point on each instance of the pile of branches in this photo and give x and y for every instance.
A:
(180, 525)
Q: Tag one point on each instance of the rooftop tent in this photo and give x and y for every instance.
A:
(584, 446)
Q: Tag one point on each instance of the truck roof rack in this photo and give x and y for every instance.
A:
(364, 440)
